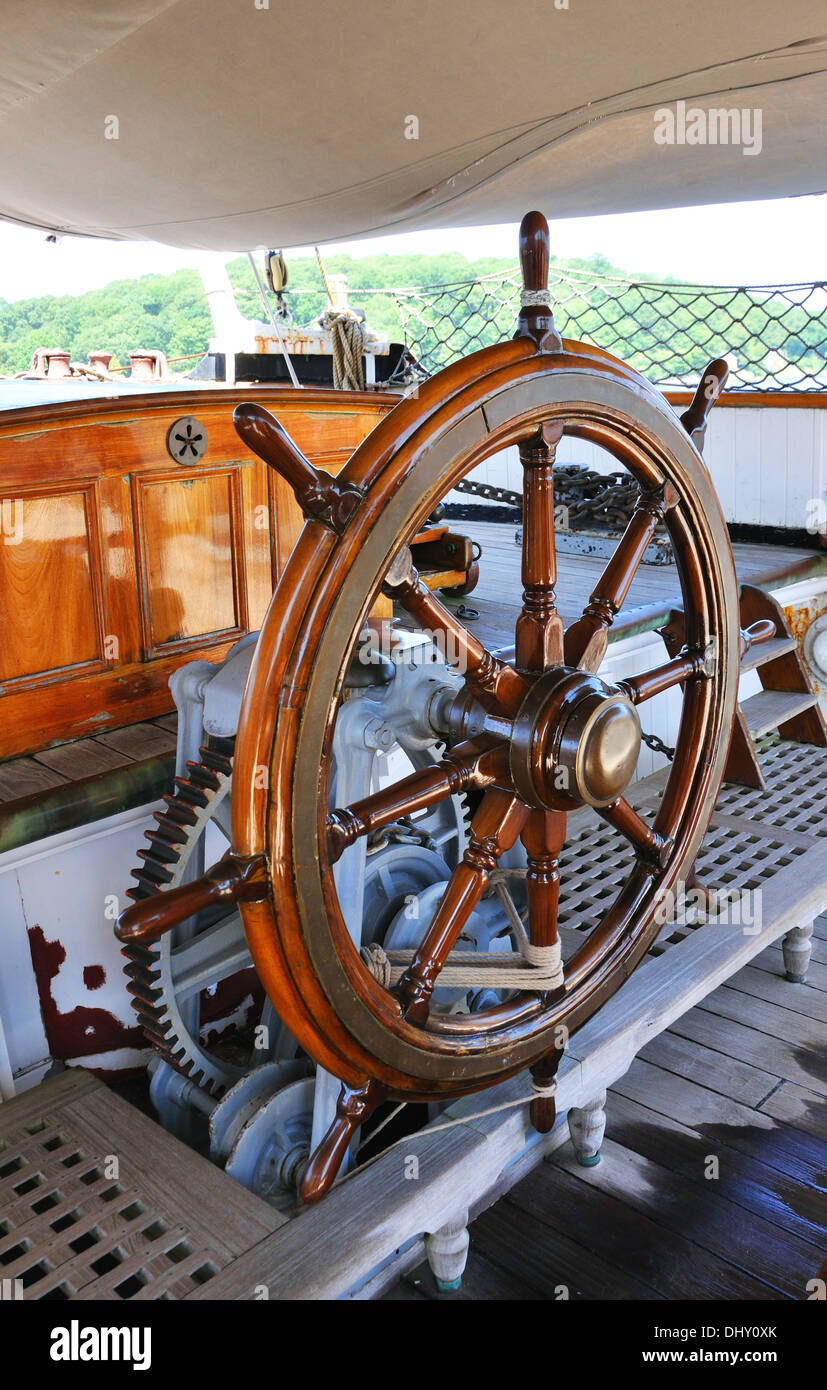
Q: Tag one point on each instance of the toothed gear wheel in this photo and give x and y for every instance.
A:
(166, 980)
(162, 978)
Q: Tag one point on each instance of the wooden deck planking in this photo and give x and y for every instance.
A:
(86, 757)
(732, 1078)
(578, 574)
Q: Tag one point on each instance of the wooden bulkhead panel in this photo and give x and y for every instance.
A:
(118, 564)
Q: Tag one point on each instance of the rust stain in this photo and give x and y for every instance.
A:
(81, 1032)
(94, 976)
(217, 1022)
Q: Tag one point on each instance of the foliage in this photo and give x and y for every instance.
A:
(448, 305)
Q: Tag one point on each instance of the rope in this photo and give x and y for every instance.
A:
(268, 309)
(539, 1091)
(532, 967)
(478, 969)
(348, 335)
(324, 275)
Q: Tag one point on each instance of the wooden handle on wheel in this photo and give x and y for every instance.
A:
(762, 631)
(353, 1107)
(230, 880)
(709, 388)
(320, 496)
(535, 319)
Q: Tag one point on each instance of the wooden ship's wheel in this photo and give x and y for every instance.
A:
(530, 737)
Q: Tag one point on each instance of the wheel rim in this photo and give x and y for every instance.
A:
(303, 954)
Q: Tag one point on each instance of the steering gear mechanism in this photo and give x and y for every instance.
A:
(529, 739)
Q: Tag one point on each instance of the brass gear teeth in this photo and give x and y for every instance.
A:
(167, 845)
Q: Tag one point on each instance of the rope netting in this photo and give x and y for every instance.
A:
(777, 334)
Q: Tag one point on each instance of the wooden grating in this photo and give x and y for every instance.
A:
(752, 836)
(163, 1227)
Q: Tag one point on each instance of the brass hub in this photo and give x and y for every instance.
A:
(575, 741)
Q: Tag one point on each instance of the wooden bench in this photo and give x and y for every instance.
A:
(376, 1222)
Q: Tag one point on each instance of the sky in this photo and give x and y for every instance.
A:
(779, 241)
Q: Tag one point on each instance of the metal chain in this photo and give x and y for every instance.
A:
(591, 499)
(657, 745)
(490, 493)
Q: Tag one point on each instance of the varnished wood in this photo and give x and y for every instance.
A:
(122, 564)
(535, 319)
(654, 682)
(468, 766)
(290, 659)
(389, 1040)
(710, 386)
(494, 829)
(317, 494)
(538, 635)
(543, 836)
(354, 1106)
(587, 639)
(231, 880)
(647, 842)
(493, 678)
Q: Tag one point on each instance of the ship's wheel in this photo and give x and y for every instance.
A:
(532, 738)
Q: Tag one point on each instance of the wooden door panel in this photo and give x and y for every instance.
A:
(134, 564)
(191, 557)
(50, 618)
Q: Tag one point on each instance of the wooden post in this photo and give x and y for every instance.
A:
(587, 1125)
(797, 947)
(447, 1251)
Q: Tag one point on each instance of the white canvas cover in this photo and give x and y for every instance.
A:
(249, 122)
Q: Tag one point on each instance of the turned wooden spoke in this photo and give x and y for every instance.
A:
(472, 764)
(493, 678)
(543, 836)
(354, 1106)
(647, 843)
(762, 631)
(587, 639)
(494, 829)
(539, 630)
(654, 682)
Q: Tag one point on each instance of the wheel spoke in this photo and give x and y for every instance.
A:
(654, 682)
(472, 764)
(494, 829)
(587, 639)
(646, 842)
(539, 630)
(543, 835)
(491, 677)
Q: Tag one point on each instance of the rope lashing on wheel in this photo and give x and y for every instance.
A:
(534, 298)
(531, 968)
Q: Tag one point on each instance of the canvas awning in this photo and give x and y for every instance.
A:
(241, 123)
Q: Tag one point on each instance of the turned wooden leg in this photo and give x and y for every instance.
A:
(447, 1251)
(587, 1124)
(797, 947)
